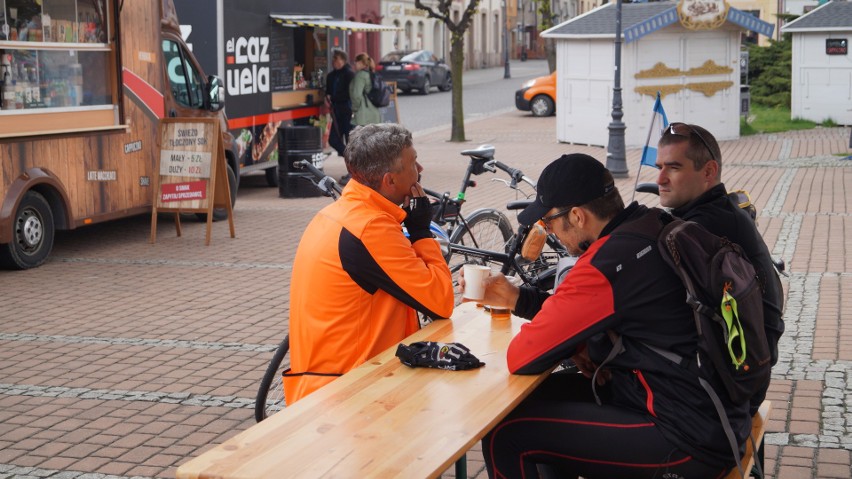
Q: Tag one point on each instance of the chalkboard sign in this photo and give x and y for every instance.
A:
(281, 58)
(191, 172)
(390, 113)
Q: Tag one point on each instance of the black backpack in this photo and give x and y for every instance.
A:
(724, 292)
(380, 93)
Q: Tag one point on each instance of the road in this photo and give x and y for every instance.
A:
(486, 92)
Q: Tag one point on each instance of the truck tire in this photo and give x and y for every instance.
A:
(220, 214)
(271, 176)
(32, 234)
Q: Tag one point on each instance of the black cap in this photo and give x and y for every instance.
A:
(571, 180)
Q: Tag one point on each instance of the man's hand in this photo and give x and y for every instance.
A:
(499, 291)
(587, 367)
(419, 214)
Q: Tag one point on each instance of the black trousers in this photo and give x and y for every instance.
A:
(561, 428)
(340, 127)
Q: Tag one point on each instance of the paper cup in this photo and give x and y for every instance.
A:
(474, 281)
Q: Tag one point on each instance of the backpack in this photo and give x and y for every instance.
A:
(724, 292)
(380, 93)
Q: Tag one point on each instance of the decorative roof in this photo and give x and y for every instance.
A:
(640, 19)
(832, 16)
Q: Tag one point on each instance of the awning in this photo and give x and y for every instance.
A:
(320, 22)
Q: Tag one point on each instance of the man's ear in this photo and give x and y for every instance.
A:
(711, 171)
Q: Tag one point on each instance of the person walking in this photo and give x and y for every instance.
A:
(365, 113)
(337, 98)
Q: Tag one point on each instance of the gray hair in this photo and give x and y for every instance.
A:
(374, 150)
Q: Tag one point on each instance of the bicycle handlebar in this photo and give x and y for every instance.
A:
(324, 182)
(516, 174)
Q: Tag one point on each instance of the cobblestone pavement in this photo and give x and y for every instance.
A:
(119, 358)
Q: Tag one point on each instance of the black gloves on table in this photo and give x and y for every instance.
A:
(431, 354)
(419, 216)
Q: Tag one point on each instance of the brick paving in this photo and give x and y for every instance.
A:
(119, 358)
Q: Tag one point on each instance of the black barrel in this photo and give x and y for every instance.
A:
(297, 143)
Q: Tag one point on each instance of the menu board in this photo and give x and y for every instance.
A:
(190, 176)
(281, 59)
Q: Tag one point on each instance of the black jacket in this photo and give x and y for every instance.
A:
(621, 283)
(337, 85)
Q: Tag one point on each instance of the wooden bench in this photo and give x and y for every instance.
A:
(758, 428)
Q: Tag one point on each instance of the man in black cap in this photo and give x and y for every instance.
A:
(652, 418)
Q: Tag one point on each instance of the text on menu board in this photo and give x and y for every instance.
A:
(185, 162)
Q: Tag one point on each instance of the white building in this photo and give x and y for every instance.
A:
(483, 41)
(691, 59)
(822, 67)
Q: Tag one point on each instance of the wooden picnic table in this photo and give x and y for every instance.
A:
(384, 419)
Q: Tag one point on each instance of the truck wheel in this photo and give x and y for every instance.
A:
(271, 176)
(32, 234)
(542, 105)
(220, 214)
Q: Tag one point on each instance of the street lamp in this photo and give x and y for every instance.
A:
(616, 162)
(506, 72)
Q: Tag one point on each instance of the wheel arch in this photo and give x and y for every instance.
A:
(44, 182)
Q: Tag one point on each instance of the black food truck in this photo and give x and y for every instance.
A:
(273, 57)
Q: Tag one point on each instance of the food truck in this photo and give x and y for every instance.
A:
(273, 57)
(85, 84)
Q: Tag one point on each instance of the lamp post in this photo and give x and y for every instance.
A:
(616, 162)
(506, 72)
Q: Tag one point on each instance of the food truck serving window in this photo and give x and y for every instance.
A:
(55, 58)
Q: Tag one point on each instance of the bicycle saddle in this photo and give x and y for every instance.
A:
(484, 152)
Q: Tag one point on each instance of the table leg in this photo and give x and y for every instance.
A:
(461, 467)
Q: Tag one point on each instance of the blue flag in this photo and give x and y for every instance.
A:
(659, 122)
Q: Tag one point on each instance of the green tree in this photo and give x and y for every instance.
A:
(457, 30)
(769, 72)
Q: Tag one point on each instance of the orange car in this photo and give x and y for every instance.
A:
(538, 96)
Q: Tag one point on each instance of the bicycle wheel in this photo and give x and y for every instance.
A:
(487, 229)
(270, 395)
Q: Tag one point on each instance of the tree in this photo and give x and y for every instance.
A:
(546, 14)
(457, 31)
(769, 72)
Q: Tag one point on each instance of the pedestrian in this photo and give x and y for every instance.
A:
(690, 181)
(357, 280)
(337, 99)
(365, 113)
(654, 419)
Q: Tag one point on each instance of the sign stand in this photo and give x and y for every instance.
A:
(191, 175)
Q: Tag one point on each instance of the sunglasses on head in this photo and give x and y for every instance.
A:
(685, 130)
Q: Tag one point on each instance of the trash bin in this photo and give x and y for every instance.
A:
(296, 143)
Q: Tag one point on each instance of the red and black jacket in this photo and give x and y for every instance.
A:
(621, 283)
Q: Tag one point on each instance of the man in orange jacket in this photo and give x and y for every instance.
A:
(357, 280)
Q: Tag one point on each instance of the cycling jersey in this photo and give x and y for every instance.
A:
(356, 283)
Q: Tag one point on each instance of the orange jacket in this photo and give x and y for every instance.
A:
(356, 283)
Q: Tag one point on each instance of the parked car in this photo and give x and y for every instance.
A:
(538, 96)
(416, 70)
